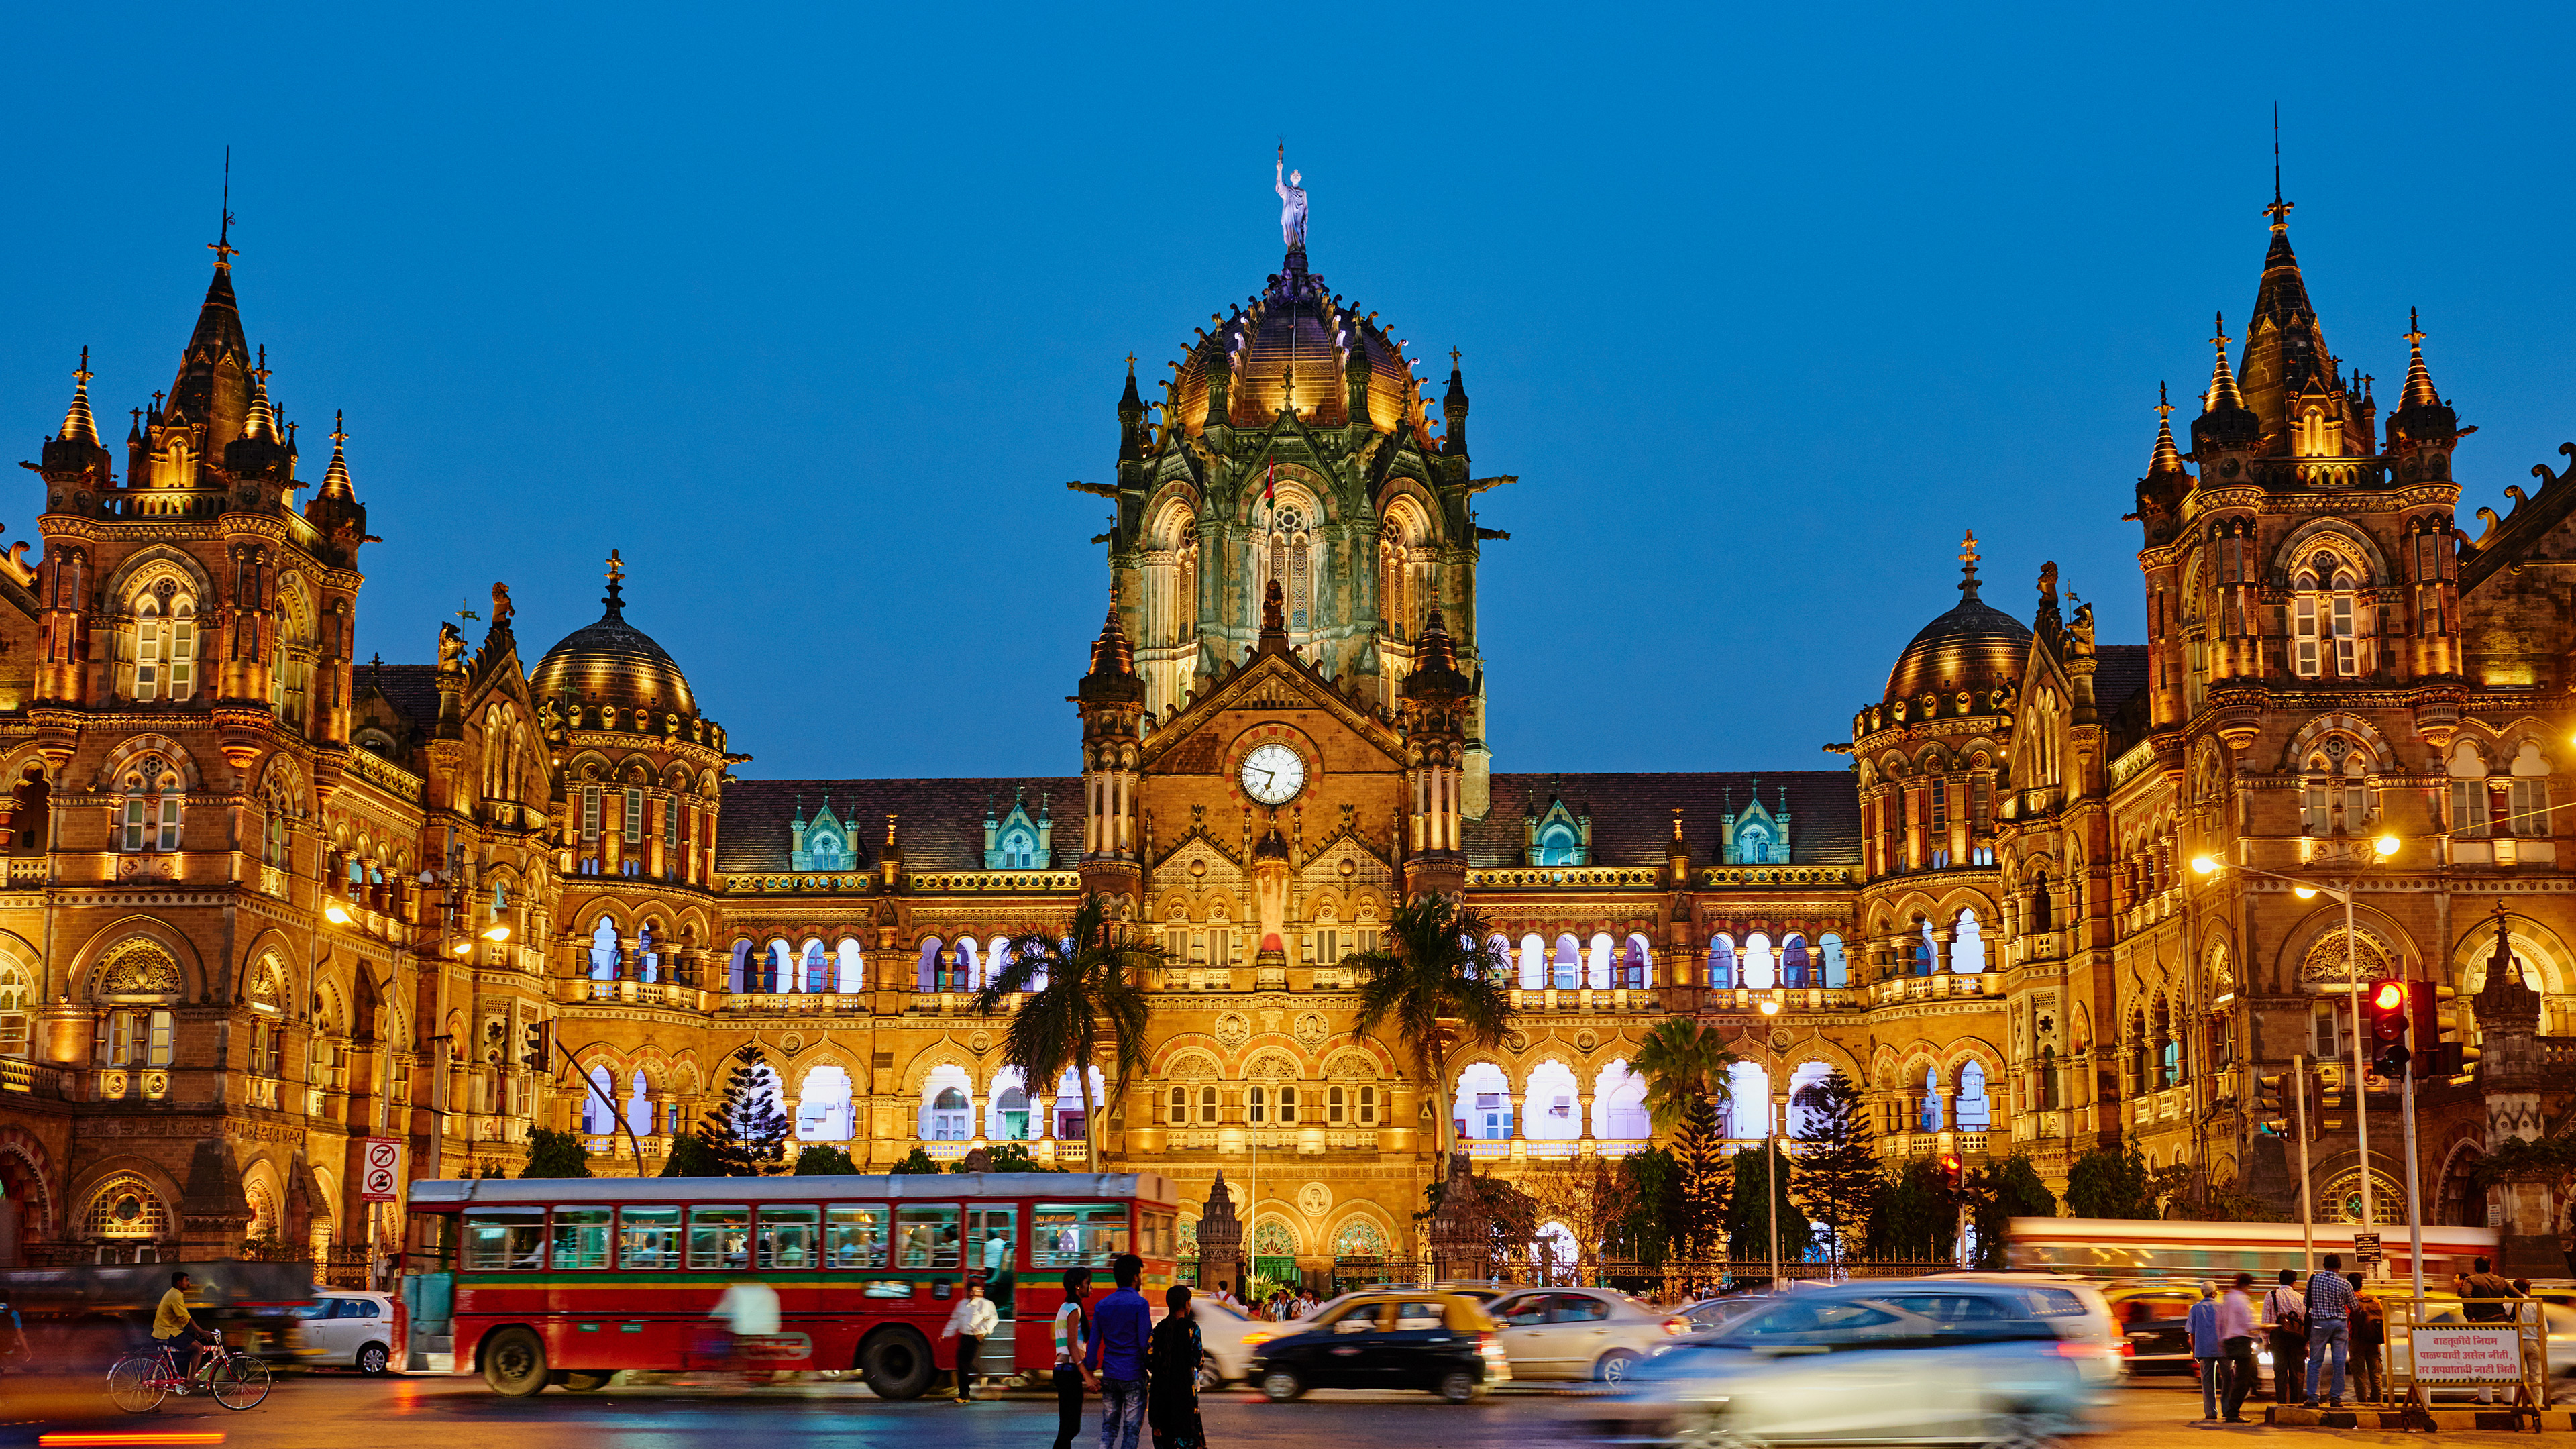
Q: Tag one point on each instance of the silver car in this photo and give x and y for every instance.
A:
(1914, 1362)
(1581, 1333)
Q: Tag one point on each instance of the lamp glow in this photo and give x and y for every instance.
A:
(2205, 864)
(2386, 844)
(1771, 1006)
(497, 933)
(336, 914)
(2305, 893)
(462, 947)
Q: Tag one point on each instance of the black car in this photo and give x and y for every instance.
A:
(1430, 1340)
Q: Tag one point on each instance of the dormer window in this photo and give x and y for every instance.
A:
(826, 850)
(1557, 846)
(1019, 851)
(150, 811)
(2321, 621)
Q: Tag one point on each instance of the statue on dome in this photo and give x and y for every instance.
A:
(1292, 202)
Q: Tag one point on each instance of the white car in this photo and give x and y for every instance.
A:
(348, 1328)
(1580, 1333)
(1227, 1337)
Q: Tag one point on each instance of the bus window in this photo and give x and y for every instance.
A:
(720, 1237)
(512, 1239)
(649, 1238)
(1075, 1235)
(995, 1243)
(926, 1237)
(787, 1237)
(856, 1235)
(581, 1238)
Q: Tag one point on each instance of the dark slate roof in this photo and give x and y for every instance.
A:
(1632, 815)
(412, 689)
(941, 825)
(2119, 673)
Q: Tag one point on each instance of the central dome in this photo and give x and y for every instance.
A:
(1974, 646)
(613, 662)
(1295, 325)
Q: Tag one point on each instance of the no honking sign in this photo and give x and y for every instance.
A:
(380, 1175)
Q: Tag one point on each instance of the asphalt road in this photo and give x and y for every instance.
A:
(331, 1411)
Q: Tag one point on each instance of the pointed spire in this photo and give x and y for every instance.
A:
(2168, 458)
(1435, 667)
(2222, 392)
(1453, 407)
(335, 479)
(1132, 432)
(1967, 580)
(616, 597)
(2419, 378)
(78, 425)
(1113, 661)
(261, 423)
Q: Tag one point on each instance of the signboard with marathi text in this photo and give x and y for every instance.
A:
(2449, 1353)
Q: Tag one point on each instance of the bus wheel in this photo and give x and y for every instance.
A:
(897, 1364)
(514, 1362)
(578, 1382)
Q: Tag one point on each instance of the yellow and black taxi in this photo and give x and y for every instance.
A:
(1427, 1339)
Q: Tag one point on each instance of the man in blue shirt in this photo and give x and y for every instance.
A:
(2209, 1352)
(1120, 1327)
(2329, 1326)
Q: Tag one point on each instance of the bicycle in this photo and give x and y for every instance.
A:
(140, 1381)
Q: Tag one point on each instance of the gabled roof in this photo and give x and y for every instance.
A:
(1632, 815)
(412, 689)
(941, 824)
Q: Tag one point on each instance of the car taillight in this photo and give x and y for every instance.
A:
(2128, 1349)
(1677, 1325)
(2078, 1348)
(1254, 1340)
(1488, 1346)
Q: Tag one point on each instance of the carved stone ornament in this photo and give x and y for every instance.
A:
(1585, 1041)
(980, 1043)
(139, 968)
(1232, 1029)
(1312, 1029)
(1315, 1199)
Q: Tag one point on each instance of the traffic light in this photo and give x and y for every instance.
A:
(2439, 1051)
(533, 1057)
(1951, 1171)
(2276, 1101)
(2386, 1008)
(2327, 1092)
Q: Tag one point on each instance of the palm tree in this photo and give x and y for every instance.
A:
(1441, 978)
(1092, 990)
(1677, 1059)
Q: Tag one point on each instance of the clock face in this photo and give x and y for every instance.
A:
(1273, 774)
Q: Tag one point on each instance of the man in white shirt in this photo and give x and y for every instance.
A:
(970, 1321)
(747, 1310)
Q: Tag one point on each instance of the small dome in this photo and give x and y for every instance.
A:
(1295, 322)
(1974, 646)
(613, 662)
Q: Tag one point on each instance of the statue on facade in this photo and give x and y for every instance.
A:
(1274, 610)
(451, 648)
(2048, 584)
(501, 606)
(1292, 203)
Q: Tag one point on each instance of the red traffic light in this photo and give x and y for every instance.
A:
(2390, 996)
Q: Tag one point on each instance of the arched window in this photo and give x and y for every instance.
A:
(151, 811)
(1837, 970)
(1931, 1119)
(823, 1109)
(738, 975)
(1974, 1113)
(825, 848)
(1019, 849)
(1753, 845)
(639, 1105)
(2321, 620)
(165, 643)
(126, 1207)
(1927, 956)
(648, 960)
(817, 972)
(1795, 969)
(853, 971)
(603, 951)
(598, 1117)
(1968, 947)
(1760, 970)
(13, 1011)
(2334, 789)
(1568, 973)
(1721, 962)
(1558, 845)
(948, 1114)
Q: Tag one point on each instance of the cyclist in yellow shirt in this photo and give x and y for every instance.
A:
(171, 1325)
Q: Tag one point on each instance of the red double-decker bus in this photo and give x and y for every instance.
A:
(567, 1281)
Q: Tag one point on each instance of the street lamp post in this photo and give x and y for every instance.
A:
(2381, 848)
(1770, 1154)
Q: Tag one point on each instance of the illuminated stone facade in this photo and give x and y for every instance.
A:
(562, 909)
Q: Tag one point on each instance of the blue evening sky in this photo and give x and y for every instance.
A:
(812, 313)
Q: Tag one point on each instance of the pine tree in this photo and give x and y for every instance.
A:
(1648, 1188)
(555, 1154)
(746, 1131)
(1838, 1173)
(1701, 1181)
(1748, 1213)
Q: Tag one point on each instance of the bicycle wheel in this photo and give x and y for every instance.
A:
(239, 1382)
(135, 1383)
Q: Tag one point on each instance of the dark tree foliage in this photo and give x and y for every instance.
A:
(2000, 1192)
(1749, 1210)
(745, 1130)
(1648, 1193)
(1503, 1215)
(1839, 1177)
(691, 1156)
(1009, 1157)
(555, 1154)
(2105, 1183)
(822, 1161)
(1702, 1178)
(1917, 1218)
(916, 1161)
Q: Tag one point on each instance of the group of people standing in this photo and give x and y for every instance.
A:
(2334, 1323)
(1145, 1372)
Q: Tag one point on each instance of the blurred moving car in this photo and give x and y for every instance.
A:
(1923, 1361)
(1411, 1339)
(1228, 1336)
(1710, 1313)
(2155, 1322)
(1581, 1333)
(348, 1328)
